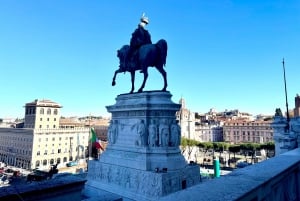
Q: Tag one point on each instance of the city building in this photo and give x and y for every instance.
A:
(241, 131)
(186, 120)
(208, 132)
(42, 143)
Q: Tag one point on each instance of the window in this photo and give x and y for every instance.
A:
(55, 111)
(41, 119)
(42, 111)
(40, 126)
(59, 151)
(37, 164)
(49, 111)
(65, 159)
(51, 161)
(58, 160)
(44, 162)
(45, 152)
(38, 153)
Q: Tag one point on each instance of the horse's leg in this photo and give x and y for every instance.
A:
(132, 81)
(114, 78)
(164, 74)
(145, 71)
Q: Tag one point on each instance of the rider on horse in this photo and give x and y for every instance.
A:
(139, 37)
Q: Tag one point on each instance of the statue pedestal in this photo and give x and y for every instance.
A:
(142, 160)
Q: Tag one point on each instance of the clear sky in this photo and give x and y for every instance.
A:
(223, 54)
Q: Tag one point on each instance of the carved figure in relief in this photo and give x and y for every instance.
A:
(113, 132)
(108, 174)
(164, 133)
(154, 187)
(134, 181)
(141, 132)
(127, 178)
(153, 136)
(175, 133)
(117, 176)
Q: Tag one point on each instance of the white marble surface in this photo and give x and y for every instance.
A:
(133, 167)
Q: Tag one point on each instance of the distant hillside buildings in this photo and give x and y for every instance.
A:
(230, 126)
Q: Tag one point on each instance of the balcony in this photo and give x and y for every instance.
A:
(275, 179)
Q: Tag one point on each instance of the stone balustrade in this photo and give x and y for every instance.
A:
(275, 179)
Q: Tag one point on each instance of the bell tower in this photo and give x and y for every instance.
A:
(42, 114)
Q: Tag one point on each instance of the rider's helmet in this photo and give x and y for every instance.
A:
(144, 19)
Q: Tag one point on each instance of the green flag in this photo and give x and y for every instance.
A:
(93, 137)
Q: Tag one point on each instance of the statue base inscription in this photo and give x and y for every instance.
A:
(142, 160)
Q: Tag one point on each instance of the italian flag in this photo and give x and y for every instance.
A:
(94, 140)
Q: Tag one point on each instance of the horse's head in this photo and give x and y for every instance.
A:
(122, 54)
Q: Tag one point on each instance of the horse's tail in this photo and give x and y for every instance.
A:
(163, 48)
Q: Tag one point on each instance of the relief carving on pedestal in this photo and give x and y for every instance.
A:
(153, 134)
(175, 134)
(164, 133)
(113, 132)
(141, 182)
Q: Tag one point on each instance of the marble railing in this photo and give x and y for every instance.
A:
(275, 179)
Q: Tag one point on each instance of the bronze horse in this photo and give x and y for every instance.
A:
(153, 55)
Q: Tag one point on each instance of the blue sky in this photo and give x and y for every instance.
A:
(222, 54)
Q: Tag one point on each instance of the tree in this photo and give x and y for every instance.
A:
(269, 146)
(187, 145)
(250, 149)
(234, 149)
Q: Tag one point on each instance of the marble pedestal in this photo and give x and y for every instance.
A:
(142, 160)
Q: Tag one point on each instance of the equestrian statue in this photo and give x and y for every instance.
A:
(141, 54)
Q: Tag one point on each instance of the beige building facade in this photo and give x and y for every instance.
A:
(42, 143)
(237, 131)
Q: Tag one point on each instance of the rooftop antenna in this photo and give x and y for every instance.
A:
(286, 100)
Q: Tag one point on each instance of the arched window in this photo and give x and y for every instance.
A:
(58, 160)
(42, 111)
(38, 153)
(44, 162)
(55, 111)
(65, 159)
(37, 164)
(49, 111)
(51, 161)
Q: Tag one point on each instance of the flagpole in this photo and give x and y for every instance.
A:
(90, 141)
(286, 100)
